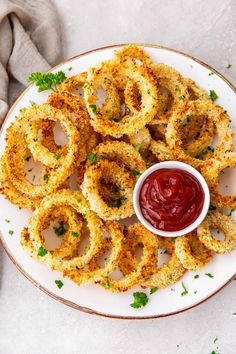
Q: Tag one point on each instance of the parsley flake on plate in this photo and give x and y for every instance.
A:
(74, 234)
(59, 283)
(140, 299)
(185, 292)
(11, 232)
(137, 147)
(213, 95)
(209, 275)
(153, 290)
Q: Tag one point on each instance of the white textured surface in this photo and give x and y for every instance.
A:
(31, 322)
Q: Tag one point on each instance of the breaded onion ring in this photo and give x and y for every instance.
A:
(136, 234)
(95, 273)
(109, 171)
(170, 272)
(76, 201)
(128, 124)
(211, 171)
(191, 252)
(16, 151)
(224, 223)
(215, 116)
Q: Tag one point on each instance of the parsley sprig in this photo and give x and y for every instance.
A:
(45, 81)
(140, 299)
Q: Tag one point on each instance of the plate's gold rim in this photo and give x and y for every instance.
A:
(70, 303)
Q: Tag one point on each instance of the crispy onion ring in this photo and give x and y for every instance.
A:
(191, 252)
(195, 92)
(172, 81)
(129, 123)
(134, 52)
(11, 193)
(95, 273)
(136, 234)
(211, 171)
(170, 272)
(123, 152)
(109, 171)
(218, 220)
(16, 151)
(76, 201)
(215, 115)
(69, 245)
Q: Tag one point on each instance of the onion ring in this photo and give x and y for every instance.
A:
(191, 252)
(109, 171)
(218, 220)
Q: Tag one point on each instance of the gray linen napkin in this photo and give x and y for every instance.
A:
(29, 42)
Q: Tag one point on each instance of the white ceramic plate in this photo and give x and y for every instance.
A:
(94, 299)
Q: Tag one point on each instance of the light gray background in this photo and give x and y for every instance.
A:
(33, 323)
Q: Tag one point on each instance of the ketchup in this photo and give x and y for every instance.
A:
(171, 199)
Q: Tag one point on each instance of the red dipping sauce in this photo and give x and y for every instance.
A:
(171, 199)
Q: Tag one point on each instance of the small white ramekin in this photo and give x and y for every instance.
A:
(174, 165)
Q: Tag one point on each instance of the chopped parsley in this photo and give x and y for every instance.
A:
(177, 89)
(181, 98)
(216, 338)
(42, 251)
(106, 285)
(30, 170)
(117, 120)
(117, 202)
(70, 68)
(137, 147)
(185, 292)
(61, 229)
(195, 292)
(115, 190)
(59, 283)
(57, 155)
(213, 95)
(135, 173)
(47, 81)
(79, 200)
(228, 66)
(11, 232)
(74, 234)
(196, 276)
(93, 108)
(140, 299)
(28, 158)
(210, 148)
(84, 217)
(173, 239)
(92, 157)
(211, 73)
(212, 207)
(209, 275)
(7, 221)
(32, 103)
(153, 290)
(46, 178)
(148, 92)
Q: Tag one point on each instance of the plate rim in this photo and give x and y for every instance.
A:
(59, 298)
